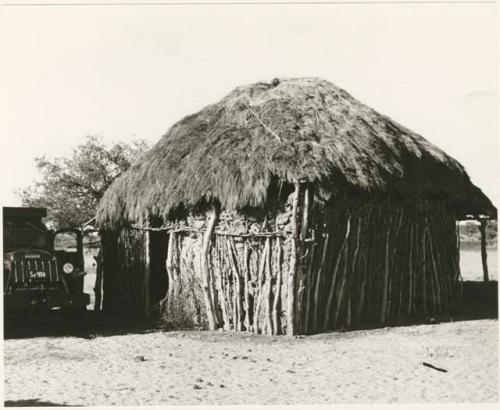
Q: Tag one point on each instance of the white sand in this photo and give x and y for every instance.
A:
(372, 366)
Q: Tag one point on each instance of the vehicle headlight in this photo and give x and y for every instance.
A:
(68, 268)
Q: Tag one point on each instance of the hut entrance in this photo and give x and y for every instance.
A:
(158, 282)
(134, 273)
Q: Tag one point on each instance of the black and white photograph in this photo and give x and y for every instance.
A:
(226, 203)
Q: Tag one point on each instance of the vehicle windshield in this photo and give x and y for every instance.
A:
(24, 235)
(66, 241)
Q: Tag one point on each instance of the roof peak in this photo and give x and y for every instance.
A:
(288, 128)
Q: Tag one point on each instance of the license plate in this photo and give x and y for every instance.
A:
(38, 275)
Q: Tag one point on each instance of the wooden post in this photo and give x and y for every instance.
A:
(238, 300)
(246, 273)
(277, 294)
(309, 281)
(262, 267)
(211, 220)
(318, 281)
(484, 255)
(168, 299)
(293, 263)
(220, 283)
(98, 280)
(302, 277)
(328, 307)
(269, 289)
(411, 283)
(385, 282)
(147, 273)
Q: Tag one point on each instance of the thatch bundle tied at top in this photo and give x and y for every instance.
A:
(290, 129)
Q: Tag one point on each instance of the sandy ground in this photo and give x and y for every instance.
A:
(471, 265)
(369, 366)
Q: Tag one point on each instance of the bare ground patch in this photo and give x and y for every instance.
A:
(365, 366)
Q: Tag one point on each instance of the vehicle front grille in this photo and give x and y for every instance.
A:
(26, 272)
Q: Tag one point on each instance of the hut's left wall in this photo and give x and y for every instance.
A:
(134, 270)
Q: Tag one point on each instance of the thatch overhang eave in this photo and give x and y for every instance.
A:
(289, 129)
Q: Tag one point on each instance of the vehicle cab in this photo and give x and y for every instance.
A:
(42, 268)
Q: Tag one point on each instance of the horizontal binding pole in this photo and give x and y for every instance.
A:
(189, 229)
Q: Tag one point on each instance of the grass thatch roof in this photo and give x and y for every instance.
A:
(288, 129)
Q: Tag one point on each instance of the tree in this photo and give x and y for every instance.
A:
(70, 188)
(471, 229)
(491, 230)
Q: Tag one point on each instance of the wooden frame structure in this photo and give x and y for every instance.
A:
(287, 207)
(311, 267)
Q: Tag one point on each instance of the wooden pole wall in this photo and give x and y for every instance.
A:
(341, 265)
(484, 255)
(373, 263)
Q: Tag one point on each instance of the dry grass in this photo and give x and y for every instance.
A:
(268, 134)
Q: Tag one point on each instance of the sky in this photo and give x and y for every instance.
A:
(130, 72)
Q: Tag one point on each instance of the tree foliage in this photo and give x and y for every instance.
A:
(70, 188)
(469, 231)
(491, 230)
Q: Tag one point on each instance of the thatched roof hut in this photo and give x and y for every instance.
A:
(296, 147)
(290, 129)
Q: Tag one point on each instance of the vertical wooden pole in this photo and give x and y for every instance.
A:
(98, 280)
(318, 281)
(309, 285)
(484, 255)
(269, 289)
(411, 283)
(170, 273)
(246, 273)
(277, 293)
(424, 272)
(147, 273)
(221, 282)
(211, 220)
(238, 300)
(329, 301)
(385, 283)
(260, 289)
(293, 263)
(301, 266)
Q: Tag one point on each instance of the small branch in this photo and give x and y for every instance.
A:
(434, 367)
(264, 125)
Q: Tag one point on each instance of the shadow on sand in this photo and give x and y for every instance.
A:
(480, 301)
(32, 403)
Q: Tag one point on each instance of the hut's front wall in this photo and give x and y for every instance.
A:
(247, 259)
(343, 264)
